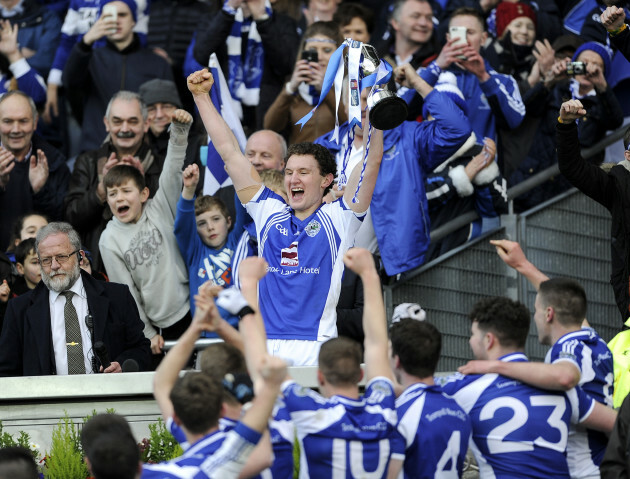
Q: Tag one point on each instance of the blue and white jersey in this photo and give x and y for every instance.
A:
(345, 438)
(224, 457)
(591, 356)
(282, 434)
(299, 294)
(519, 431)
(436, 432)
(190, 461)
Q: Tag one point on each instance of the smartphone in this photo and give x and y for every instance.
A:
(576, 68)
(111, 11)
(310, 56)
(459, 33)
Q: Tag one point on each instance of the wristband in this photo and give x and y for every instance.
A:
(245, 310)
(560, 120)
(614, 33)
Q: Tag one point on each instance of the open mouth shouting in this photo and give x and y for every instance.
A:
(297, 194)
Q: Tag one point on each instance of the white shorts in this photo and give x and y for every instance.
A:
(296, 352)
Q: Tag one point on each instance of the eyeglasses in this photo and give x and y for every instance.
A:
(59, 258)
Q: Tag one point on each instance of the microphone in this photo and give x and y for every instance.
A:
(101, 353)
(130, 366)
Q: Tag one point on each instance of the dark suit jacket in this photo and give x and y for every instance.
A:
(26, 339)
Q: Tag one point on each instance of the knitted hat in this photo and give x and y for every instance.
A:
(447, 83)
(506, 12)
(130, 3)
(599, 48)
(160, 91)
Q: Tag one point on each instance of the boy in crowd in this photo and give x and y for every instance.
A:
(27, 265)
(202, 230)
(138, 246)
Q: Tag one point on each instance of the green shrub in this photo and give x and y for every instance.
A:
(65, 458)
(160, 445)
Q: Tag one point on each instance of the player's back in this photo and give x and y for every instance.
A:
(342, 437)
(519, 431)
(591, 355)
(436, 432)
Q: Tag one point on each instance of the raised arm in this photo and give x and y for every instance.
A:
(206, 315)
(244, 176)
(512, 255)
(373, 164)
(361, 262)
(252, 270)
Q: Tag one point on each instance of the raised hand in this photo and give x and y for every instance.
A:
(571, 110)
(360, 261)
(613, 18)
(38, 171)
(200, 82)
(7, 163)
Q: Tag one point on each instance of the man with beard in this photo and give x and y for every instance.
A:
(53, 328)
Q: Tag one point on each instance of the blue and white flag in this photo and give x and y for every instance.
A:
(216, 177)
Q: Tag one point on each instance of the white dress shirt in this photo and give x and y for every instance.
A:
(58, 326)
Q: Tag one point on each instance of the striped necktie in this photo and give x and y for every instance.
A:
(74, 346)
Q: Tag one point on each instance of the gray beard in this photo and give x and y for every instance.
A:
(61, 281)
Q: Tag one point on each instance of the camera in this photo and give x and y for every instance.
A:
(310, 56)
(576, 68)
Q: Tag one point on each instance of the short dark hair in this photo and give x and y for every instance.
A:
(197, 399)
(340, 361)
(417, 344)
(23, 249)
(109, 445)
(323, 157)
(18, 224)
(508, 320)
(220, 359)
(17, 462)
(119, 174)
(397, 7)
(469, 12)
(567, 297)
(346, 12)
(206, 203)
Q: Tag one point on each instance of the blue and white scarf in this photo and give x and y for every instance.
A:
(245, 75)
(308, 93)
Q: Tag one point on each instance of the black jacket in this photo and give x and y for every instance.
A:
(100, 72)
(18, 198)
(610, 189)
(26, 340)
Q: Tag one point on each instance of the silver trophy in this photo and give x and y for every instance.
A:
(386, 109)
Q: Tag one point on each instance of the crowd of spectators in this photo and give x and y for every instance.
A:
(482, 111)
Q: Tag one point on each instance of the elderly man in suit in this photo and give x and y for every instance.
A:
(54, 328)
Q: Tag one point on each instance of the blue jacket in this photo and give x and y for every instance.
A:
(38, 30)
(493, 104)
(399, 203)
(203, 262)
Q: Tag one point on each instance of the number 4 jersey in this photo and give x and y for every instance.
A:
(519, 431)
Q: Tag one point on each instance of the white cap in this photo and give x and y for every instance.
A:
(409, 310)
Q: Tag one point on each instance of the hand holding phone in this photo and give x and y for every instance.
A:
(459, 34)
